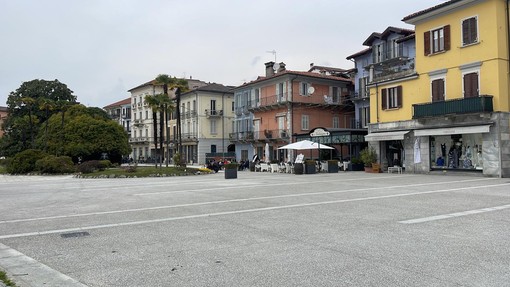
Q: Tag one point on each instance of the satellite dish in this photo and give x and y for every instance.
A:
(310, 90)
(276, 66)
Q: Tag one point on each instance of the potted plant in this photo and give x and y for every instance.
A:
(369, 157)
(298, 168)
(332, 166)
(231, 170)
(310, 166)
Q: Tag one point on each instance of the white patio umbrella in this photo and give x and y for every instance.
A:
(305, 144)
(266, 152)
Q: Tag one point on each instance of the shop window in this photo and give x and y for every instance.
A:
(456, 152)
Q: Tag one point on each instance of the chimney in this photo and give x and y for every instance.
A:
(311, 65)
(269, 69)
(282, 67)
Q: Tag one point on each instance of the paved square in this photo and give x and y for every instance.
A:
(262, 229)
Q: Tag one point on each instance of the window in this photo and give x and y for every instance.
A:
(213, 148)
(195, 106)
(437, 40)
(335, 94)
(364, 116)
(378, 53)
(257, 97)
(213, 127)
(470, 81)
(279, 91)
(336, 122)
(363, 90)
(437, 87)
(213, 105)
(303, 89)
(394, 49)
(391, 98)
(305, 122)
(146, 114)
(469, 31)
(147, 132)
(141, 115)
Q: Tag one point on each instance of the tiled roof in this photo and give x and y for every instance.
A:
(3, 109)
(218, 88)
(405, 38)
(368, 41)
(422, 12)
(119, 103)
(328, 69)
(397, 30)
(362, 52)
(306, 74)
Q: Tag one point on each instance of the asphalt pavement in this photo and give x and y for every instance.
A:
(261, 229)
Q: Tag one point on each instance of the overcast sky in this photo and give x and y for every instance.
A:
(102, 48)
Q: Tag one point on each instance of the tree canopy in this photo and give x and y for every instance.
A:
(45, 115)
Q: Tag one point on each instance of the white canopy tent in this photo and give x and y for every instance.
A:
(305, 144)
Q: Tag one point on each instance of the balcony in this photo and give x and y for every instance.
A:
(213, 113)
(386, 72)
(457, 106)
(139, 140)
(241, 136)
(189, 137)
(138, 122)
(271, 135)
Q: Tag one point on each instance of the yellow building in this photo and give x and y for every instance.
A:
(454, 115)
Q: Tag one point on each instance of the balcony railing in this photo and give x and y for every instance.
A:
(139, 140)
(456, 106)
(241, 136)
(213, 113)
(271, 134)
(399, 70)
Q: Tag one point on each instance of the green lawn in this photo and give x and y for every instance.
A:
(146, 171)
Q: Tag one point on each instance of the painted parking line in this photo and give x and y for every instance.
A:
(456, 214)
(301, 183)
(168, 219)
(228, 201)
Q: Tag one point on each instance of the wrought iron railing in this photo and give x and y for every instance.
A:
(455, 106)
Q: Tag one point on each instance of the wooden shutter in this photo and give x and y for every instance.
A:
(471, 85)
(446, 37)
(465, 32)
(438, 90)
(469, 31)
(399, 96)
(384, 99)
(426, 43)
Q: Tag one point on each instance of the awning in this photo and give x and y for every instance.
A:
(387, 136)
(453, 131)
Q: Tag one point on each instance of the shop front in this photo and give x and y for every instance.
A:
(455, 148)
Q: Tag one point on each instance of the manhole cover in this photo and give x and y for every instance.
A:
(74, 234)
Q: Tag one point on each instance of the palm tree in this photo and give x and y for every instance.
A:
(62, 106)
(166, 106)
(153, 103)
(46, 105)
(29, 103)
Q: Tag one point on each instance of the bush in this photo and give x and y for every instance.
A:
(55, 165)
(93, 165)
(231, 165)
(368, 156)
(105, 164)
(24, 162)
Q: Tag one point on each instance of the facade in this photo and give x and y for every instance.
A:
(454, 116)
(121, 113)
(389, 56)
(206, 119)
(142, 137)
(3, 115)
(274, 109)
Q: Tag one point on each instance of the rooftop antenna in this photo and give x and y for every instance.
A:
(274, 54)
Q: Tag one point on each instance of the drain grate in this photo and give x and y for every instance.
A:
(75, 234)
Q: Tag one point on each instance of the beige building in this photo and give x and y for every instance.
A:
(142, 131)
(206, 119)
